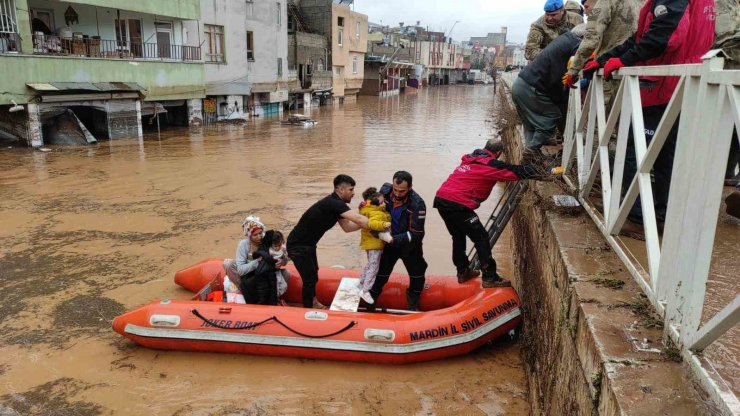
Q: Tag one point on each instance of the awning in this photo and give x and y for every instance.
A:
(85, 86)
(407, 65)
(322, 92)
(264, 87)
(149, 108)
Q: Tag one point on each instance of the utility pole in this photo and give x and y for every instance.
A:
(453, 28)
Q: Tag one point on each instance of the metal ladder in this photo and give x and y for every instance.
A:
(500, 217)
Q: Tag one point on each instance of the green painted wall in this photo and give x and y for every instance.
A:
(162, 80)
(184, 9)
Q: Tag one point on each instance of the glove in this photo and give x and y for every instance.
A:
(568, 81)
(385, 236)
(612, 65)
(590, 68)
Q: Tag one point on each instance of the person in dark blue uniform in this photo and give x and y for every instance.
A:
(408, 214)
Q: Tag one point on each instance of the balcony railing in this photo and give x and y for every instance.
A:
(10, 42)
(112, 49)
(674, 277)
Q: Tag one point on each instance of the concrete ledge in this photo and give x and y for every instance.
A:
(590, 343)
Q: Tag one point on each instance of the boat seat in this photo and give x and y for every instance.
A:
(347, 298)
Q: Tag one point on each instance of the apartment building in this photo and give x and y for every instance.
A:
(87, 69)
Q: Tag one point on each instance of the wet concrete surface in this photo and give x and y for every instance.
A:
(722, 288)
(86, 234)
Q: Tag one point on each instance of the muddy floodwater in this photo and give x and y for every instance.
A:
(88, 233)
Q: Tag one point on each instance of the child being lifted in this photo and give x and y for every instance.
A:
(373, 207)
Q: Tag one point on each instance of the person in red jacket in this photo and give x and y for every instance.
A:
(462, 193)
(669, 32)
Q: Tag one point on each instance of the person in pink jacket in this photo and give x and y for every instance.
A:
(669, 32)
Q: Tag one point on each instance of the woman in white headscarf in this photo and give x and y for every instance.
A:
(254, 231)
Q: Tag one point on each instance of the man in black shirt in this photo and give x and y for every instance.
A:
(314, 223)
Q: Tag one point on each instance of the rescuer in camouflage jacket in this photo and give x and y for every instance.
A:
(610, 23)
(727, 31)
(552, 24)
(574, 7)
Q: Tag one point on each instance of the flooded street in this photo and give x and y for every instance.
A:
(88, 233)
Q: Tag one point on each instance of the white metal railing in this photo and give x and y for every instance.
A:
(708, 101)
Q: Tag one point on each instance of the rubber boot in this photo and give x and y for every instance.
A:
(492, 279)
(412, 300)
(463, 275)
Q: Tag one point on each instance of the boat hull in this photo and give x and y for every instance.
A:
(458, 319)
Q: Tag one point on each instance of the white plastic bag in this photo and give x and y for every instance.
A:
(233, 294)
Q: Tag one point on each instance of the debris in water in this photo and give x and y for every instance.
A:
(298, 120)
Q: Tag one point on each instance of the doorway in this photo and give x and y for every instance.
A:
(46, 18)
(164, 39)
(129, 37)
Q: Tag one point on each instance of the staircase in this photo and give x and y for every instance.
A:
(300, 22)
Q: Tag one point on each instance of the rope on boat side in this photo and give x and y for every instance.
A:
(273, 318)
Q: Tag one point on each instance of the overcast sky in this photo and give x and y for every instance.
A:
(477, 17)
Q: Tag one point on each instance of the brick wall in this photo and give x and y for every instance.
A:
(322, 80)
(310, 48)
(317, 14)
(123, 119)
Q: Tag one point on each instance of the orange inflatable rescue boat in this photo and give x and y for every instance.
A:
(456, 319)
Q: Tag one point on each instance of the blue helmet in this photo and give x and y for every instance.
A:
(553, 5)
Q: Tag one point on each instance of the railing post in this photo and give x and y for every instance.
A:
(693, 205)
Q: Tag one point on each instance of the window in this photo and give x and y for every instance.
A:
(358, 29)
(418, 55)
(279, 14)
(280, 67)
(250, 7)
(354, 65)
(340, 21)
(320, 65)
(339, 71)
(250, 46)
(339, 37)
(214, 45)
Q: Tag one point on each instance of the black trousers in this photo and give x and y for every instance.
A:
(463, 224)
(260, 289)
(734, 158)
(412, 257)
(662, 169)
(305, 261)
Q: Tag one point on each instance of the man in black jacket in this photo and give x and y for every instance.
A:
(408, 214)
(538, 92)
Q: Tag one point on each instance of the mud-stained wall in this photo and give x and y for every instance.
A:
(123, 120)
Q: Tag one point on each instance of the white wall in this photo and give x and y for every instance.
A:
(270, 41)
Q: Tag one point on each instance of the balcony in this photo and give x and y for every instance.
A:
(10, 42)
(94, 47)
(88, 29)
